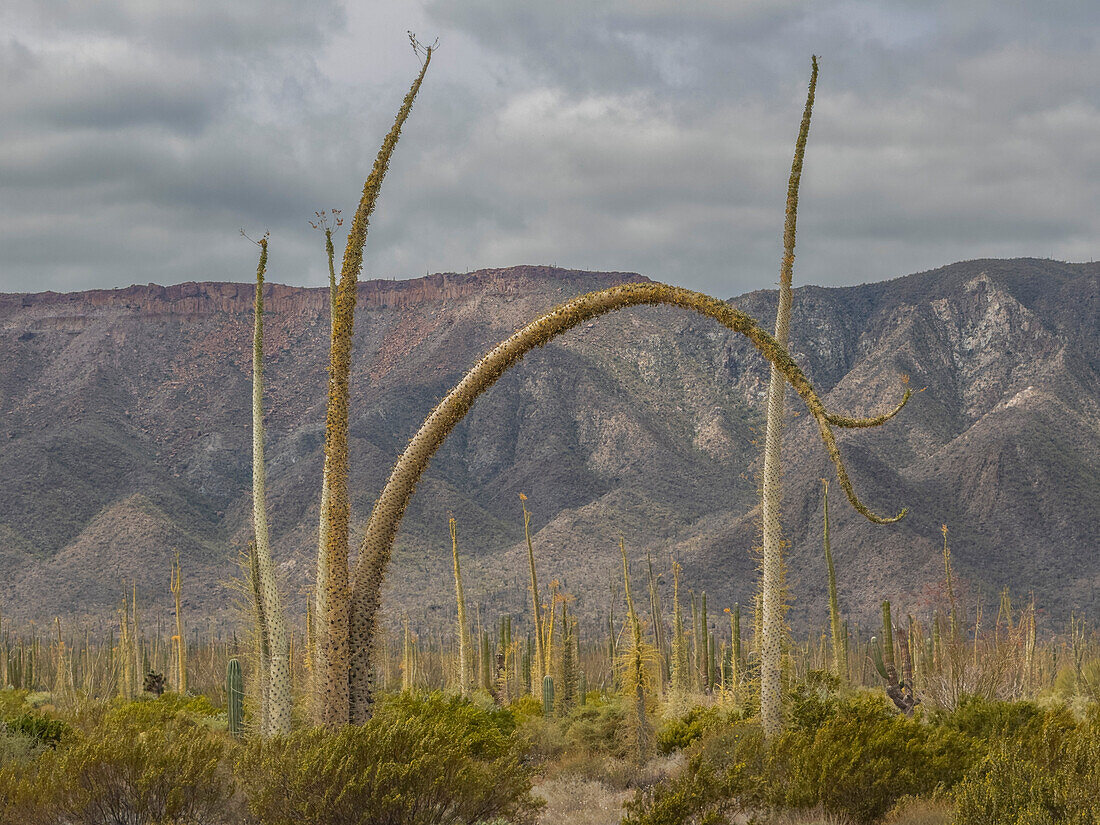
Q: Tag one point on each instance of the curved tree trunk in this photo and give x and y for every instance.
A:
(377, 544)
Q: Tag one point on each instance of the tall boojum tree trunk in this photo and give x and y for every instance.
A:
(331, 686)
(772, 566)
(280, 698)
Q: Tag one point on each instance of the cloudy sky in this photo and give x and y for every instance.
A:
(137, 137)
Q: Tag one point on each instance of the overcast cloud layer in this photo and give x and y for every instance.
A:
(138, 138)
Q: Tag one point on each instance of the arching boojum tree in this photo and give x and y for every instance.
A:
(377, 544)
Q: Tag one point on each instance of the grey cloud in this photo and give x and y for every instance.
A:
(625, 134)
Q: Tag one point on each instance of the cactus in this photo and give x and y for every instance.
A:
(950, 588)
(377, 544)
(547, 695)
(261, 641)
(658, 624)
(486, 662)
(636, 669)
(882, 655)
(696, 682)
(735, 649)
(582, 689)
(568, 695)
(611, 639)
(840, 653)
(180, 637)
(465, 662)
(234, 692)
(679, 642)
(319, 600)
(336, 658)
(538, 665)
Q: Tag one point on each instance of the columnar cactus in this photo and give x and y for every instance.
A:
(377, 544)
(679, 667)
(234, 692)
(465, 660)
(840, 654)
(882, 654)
(635, 671)
(180, 638)
(568, 694)
(658, 623)
(261, 641)
(317, 660)
(538, 667)
(735, 649)
(547, 695)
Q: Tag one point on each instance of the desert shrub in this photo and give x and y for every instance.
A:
(812, 701)
(598, 728)
(419, 760)
(860, 760)
(679, 732)
(17, 747)
(526, 706)
(42, 730)
(852, 756)
(156, 710)
(1016, 784)
(12, 702)
(723, 776)
(133, 772)
(125, 772)
(1025, 723)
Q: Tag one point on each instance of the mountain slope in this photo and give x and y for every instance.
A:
(124, 434)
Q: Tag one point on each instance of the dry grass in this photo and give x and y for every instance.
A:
(920, 812)
(577, 801)
(816, 816)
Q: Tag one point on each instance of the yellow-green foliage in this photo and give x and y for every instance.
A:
(852, 756)
(680, 731)
(419, 760)
(1057, 781)
(143, 763)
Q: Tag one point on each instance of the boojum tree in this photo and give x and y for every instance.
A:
(377, 544)
(273, 621)
(771, 554)
(772, 584)
(331, 596)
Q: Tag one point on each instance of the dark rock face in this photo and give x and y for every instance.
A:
(125, 434)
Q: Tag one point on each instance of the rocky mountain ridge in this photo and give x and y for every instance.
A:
(124, 434)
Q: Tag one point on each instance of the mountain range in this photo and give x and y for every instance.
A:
(125, 435)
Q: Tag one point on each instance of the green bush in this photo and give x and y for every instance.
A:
(17, 747)
(853, 756)
(1017, 784)
(126, 771)
(419, 760)
(44, 731)
(12, 703)
(676, 734)
(1026, 723)
(724, 775)
(859, 761)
